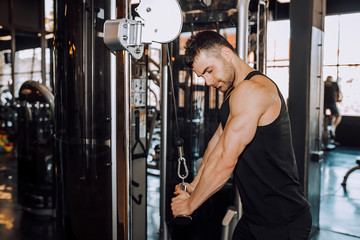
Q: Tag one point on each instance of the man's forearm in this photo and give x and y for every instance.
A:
(196, 180)
(213, 178)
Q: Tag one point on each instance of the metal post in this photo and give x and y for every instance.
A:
(242, 46)
(127, 141)
(164, 127)
(304, 104)
(127, 126)
(43, 43)
(121, 131)
(113, 143)
(13, 64)
(242, 31)
(13, 49)
(261, 35)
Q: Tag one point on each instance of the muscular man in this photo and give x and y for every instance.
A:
(253, 141)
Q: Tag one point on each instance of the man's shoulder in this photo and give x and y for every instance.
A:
(246, 85)
(249, 93)
(254, 87)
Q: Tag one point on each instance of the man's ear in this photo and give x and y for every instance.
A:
(226, 53)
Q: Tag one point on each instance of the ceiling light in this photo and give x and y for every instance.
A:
(5, 38)
(283, 1)
(49, 36)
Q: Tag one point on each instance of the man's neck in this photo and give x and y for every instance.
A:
(242, 69)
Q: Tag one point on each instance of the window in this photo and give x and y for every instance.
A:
(49, 15)
(278, 54)
(28, 67)
(342, 59)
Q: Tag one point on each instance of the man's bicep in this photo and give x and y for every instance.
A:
(239, 132)
(247, 106)
(245, 117)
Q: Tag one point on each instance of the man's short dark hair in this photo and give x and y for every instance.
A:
(205, 40)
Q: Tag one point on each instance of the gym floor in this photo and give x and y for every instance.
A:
(339, 214)
(340, 207)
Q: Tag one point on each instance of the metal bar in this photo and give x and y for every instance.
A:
(266, 14)
(261, 36)
(127, 126)
(154, 62)
(13, 48)
(342, 65)
(242, 32)
(154, 78)
(13, 64)
(338, 50)
(258, 36)
(113, 107)
(320, 106)
(164, 127)
(242, 46)
(43, 43)
(86, 99)
(127, 89)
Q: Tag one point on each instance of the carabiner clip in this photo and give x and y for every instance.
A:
(182, 160)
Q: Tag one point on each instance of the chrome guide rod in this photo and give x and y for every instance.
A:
(113, 132)
(85, 65)
(127, 141)
(265, 34)
(93, 79)
(243, 41)
(261, 33)
(164, 119)
(127, 126)
(242, 31)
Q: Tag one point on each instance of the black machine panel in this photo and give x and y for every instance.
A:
(82, 131)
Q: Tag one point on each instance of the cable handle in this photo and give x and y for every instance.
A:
(182, 219)
(179, 142)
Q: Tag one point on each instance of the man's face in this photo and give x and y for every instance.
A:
(216, 70)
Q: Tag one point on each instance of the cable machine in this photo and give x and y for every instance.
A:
(101, 112)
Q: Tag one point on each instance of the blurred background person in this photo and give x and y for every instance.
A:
(332, 96)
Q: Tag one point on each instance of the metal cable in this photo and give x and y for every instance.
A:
(173, 92)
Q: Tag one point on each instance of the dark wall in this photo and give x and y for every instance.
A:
(280, 11)
(5, 12)
(26, 40)
(24, 16)
(348, 131)
(342, 6)
(27, 13)
(4, 44)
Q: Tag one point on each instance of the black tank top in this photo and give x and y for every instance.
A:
(266, 173)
